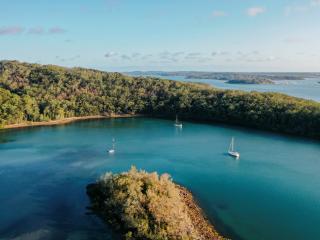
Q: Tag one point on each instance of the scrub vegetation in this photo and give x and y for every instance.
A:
(147, 206)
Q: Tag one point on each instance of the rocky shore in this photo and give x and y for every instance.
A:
(204, 227)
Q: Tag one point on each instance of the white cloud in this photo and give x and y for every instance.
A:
(110, 54)
(55, 30)
(125, 57)
(254, 11)
(36, 30)
(176, 54)
(12, 30)
(193, 55)
(219, 13)
(261, 59)
(147, 56)
(182, 58)
(135, 55)
(224, 53)
(220, 53)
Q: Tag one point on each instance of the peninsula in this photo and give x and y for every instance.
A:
(142, 205)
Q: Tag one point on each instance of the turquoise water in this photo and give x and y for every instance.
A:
(308, 89)
(272, 192)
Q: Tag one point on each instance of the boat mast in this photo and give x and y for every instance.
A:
(113, 143)
(231, 145)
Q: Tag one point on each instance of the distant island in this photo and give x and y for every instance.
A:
(252, 81)
(141, 205)
(226, 76)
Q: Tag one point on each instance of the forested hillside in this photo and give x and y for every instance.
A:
(32, 92)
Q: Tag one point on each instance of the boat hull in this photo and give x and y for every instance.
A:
(234, 154)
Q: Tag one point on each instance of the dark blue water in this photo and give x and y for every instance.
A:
(272, 192)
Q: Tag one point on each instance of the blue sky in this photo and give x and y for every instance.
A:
(125, 35)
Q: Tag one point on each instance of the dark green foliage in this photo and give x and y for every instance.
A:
(11, 110)
(32, 92)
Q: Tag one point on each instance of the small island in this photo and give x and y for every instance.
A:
(141, 205)
(250, 81)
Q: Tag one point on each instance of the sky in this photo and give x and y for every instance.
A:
(167, 35)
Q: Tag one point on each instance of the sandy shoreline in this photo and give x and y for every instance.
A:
(66, 120)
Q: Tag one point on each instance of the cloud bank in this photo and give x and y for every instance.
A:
(11, 30)
(183, 57)
(15, 30)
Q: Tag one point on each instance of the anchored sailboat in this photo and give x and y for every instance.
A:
(231, 150)
(177, 123)
(112, 150)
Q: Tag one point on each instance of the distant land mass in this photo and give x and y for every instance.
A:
(232, 76)
(251, 81)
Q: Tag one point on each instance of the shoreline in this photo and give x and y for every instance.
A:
(67, 121)
(198, 217)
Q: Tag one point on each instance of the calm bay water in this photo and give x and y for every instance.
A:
(272, 192)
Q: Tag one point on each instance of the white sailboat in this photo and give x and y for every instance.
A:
(177, 123)
(112, 150)
(231, 150)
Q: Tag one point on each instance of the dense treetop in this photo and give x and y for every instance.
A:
(33, 92)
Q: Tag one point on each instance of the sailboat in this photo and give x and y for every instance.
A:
(112, 150)
(177, 123)
(231, 150)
